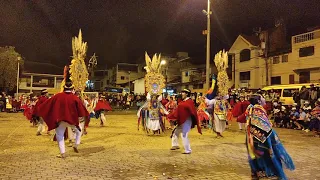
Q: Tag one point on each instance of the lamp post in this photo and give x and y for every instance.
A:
(129, 83)
(208, 13)
(18, 60)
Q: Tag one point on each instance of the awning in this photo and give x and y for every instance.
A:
(307, 69)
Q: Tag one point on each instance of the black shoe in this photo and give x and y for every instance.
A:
(75, 150)
(175, 148)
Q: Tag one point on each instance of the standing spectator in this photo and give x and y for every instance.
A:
(304, 95)
(313, 95)
(296, 96)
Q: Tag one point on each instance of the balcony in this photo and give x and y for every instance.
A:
(305, 37)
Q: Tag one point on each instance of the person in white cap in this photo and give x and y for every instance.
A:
(306, 106)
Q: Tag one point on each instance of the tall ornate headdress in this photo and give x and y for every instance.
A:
(221, 62)
(78, 70)
(154, 80)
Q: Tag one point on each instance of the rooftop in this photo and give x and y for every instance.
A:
(42, 68)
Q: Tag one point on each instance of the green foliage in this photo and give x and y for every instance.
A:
(9, 67)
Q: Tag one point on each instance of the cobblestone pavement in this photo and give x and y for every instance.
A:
(120, 151)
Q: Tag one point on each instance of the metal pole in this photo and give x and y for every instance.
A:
(17, 96)
(129, 83)
(208, 47)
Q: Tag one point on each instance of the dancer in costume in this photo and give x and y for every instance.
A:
(265, 151)
(203, 115)
(220, 109)
(186, 118)
(150, 115)
(171, 106)
(239, 110)
(102, 106)
(61, 111)
(41, 100)
(29, 111)
(84, 122)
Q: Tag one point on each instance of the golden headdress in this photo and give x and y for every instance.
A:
(154, 80)
(221, 62)
(78, 70)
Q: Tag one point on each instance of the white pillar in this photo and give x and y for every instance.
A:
(31, 82)
(55, 82)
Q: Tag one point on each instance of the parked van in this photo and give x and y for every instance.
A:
(286, 91)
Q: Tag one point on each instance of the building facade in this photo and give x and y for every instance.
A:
(301, 65)
(296, 63)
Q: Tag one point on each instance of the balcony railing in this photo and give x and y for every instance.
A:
(306, 37)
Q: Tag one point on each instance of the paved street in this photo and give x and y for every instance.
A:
(119, 151)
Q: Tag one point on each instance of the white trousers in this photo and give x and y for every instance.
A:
(220, 126)
(102, 118)
(183, 129)
(60, 135)
(71, 133)
(40, 125)
(241, 125)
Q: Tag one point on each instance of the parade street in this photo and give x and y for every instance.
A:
(120, 151)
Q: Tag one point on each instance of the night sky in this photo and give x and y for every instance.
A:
(121, 30)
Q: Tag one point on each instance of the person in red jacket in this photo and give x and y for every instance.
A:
(101, 108)
(35, 113)
(61, 111)
(239, 110)
(186, 118)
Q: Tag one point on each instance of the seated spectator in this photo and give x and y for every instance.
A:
(306, 106)
(315, 120)
(300, 121)
(294, 115)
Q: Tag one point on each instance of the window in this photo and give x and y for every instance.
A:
(306, 51)
(245, 55)
(198, 86)
(122, 77)
(276, 60)
(284, 58)
(288, 92)
(291, 79)
(275, 80)
(245, 76)
(304, 77)
(187, 73)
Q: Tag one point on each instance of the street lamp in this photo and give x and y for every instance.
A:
(208, 13)
(163, 62)
(129, 82)
(18, 60)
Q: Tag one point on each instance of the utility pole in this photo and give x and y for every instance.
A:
(208, 46)
(266, 58)
(129, 83)
(18, 60)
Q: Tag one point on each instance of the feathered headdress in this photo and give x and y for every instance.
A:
(154, 80)
(221, 62)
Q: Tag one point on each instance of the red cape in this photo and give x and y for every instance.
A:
(102, 105)
(164, 102)
(62, 107)
(243, 107)
(41, 100)
(28, 113)
(185, 110)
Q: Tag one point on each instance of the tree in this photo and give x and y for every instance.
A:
(9, 67)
